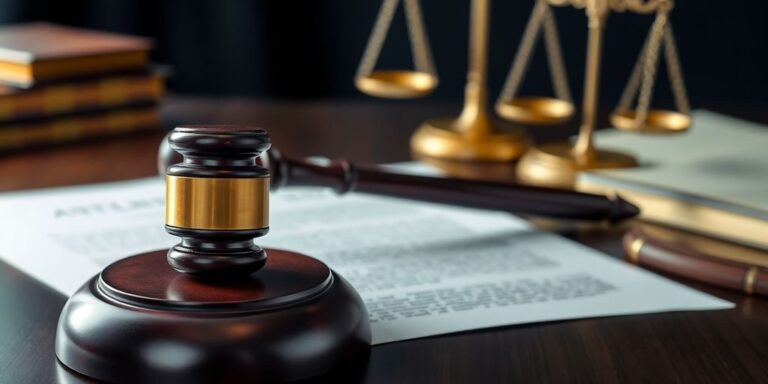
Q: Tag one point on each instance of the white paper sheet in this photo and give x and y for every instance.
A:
(422, 269)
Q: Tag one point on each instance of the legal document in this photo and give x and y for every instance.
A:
(422, 269)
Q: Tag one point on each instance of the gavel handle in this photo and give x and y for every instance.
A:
(344, 177)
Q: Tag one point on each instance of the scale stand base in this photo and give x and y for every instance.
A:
(555, 165)
(444, 138)
(140, 321)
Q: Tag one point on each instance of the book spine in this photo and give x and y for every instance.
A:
(25, 75)
(93, 64)
(70, 129)
(61, 99)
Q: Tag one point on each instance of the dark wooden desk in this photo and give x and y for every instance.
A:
(719, 346)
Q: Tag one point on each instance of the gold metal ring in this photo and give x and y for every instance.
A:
(633, 252)
(217, 203)
(749, 280)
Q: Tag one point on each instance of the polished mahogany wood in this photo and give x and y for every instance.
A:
(729, 346)
(221, 151)
(217, 254)
(648, 249)
(217, 151)
(141, 321)
(343, 176)
(215, 308)
(287, 278)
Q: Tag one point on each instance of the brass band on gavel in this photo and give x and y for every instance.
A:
(217, 203)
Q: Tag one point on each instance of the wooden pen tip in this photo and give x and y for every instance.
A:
(622, 209)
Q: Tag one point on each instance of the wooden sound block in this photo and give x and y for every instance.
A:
(141, 321)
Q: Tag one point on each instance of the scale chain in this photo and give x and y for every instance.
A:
(630, 91)
(522, 57)
(644, 73)
(556, 62)
(542, 17)
(675, 73)
(422, 57)
(637, 6)
(379, 34)
(649, 67)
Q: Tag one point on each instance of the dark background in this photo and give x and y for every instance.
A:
(300, 49)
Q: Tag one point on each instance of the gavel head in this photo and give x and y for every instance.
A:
(217, 200)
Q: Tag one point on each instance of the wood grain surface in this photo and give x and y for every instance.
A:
(728, 346)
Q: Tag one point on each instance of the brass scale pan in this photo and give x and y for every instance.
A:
(397, 84)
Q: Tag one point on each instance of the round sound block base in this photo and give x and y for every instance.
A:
(140, 321)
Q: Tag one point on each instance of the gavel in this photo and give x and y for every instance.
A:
(344, 177)
(216, 307)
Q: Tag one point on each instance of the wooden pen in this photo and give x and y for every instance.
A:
(709, 261)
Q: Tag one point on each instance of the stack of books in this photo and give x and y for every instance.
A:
(60, 84)
(712, 180)
(703, 197)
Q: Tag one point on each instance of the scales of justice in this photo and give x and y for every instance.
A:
(476, 136)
